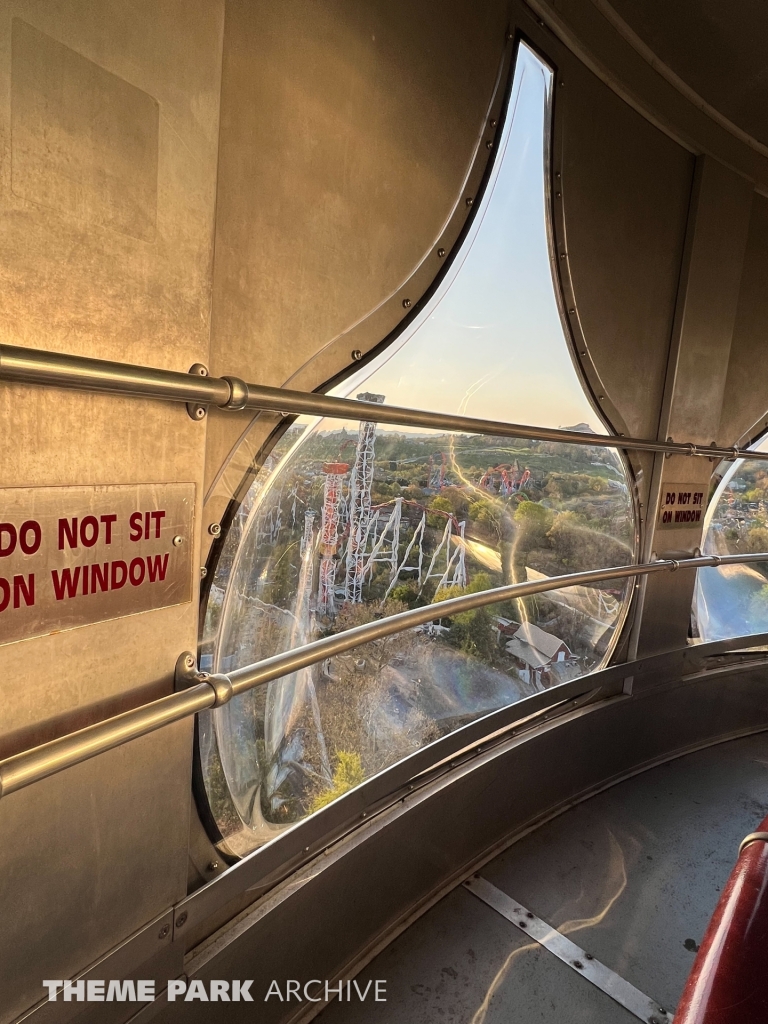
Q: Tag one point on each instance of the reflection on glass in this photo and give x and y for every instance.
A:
(348, 522)
(732, 600)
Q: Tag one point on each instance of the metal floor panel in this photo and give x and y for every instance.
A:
(632, 875)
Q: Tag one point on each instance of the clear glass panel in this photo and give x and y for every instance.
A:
(732, 600)
(348, 522)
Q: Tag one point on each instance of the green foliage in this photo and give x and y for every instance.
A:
(347, 774)
(439, 504)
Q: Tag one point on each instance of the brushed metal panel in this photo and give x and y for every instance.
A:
(344, 149)
(70, 556)
(626, 189)
(715, 48)
(88, 858)
(81, 138)
(745, 401)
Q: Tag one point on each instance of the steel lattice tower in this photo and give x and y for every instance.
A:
(360, 503)
(329, 536)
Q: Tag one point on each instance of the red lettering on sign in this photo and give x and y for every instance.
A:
(114, 582)
(37, 536)
(157, 517)
(66, 584)
(108, 521)
(24, 587)
(157, 567)
(5, 594)
(135, 524)
(89, 531)
(68, 533)
(100, 577)
(9, 546)
(137, 571)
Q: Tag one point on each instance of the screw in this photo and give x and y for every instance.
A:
(181, 920)
(578, 965)
(213, 866)
(163, 931)
(215, 530)
(199, 369)
(562, 83)
(589, 956)
(357, 355)
(584, 352)
(363, 815)
(199, 412)
(654, 1020)
(189, 662)
(178, 541)
(203, 572)
(530, 915)
(469, 200)
(493, 122)
(489, 144)
(562, 255)
(441, 253)
(406, 303)
(306, 849)
(522, 924)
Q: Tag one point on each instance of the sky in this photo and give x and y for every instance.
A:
(490, 343)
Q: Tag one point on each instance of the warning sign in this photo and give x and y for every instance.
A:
(70, 556)
(681, 505)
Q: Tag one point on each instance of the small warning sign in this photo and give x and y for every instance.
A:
(70, 556)
(681, 505)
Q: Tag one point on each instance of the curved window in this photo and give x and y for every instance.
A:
(349, 522)
(732, 600)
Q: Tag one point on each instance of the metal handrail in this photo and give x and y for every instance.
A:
(55, 369)
(208, 691)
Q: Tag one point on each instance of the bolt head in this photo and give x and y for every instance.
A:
(357, 355)
(178, 541)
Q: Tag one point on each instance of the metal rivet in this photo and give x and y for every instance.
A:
(530, 915)
(489, 144)
(584, 352)
(363, 815)
(562, 255)
(578, 965)
(215, 529)
(441, 253)
(469, 200)
(213, 866)
(203, 572)
(557, 174)
(163, 931)
(601, 397)
(357, 355)
(562, 82)
(178, 541)
(589, 956)
(181, 920)
(406, 303)
(493, 122)
(306, 849)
